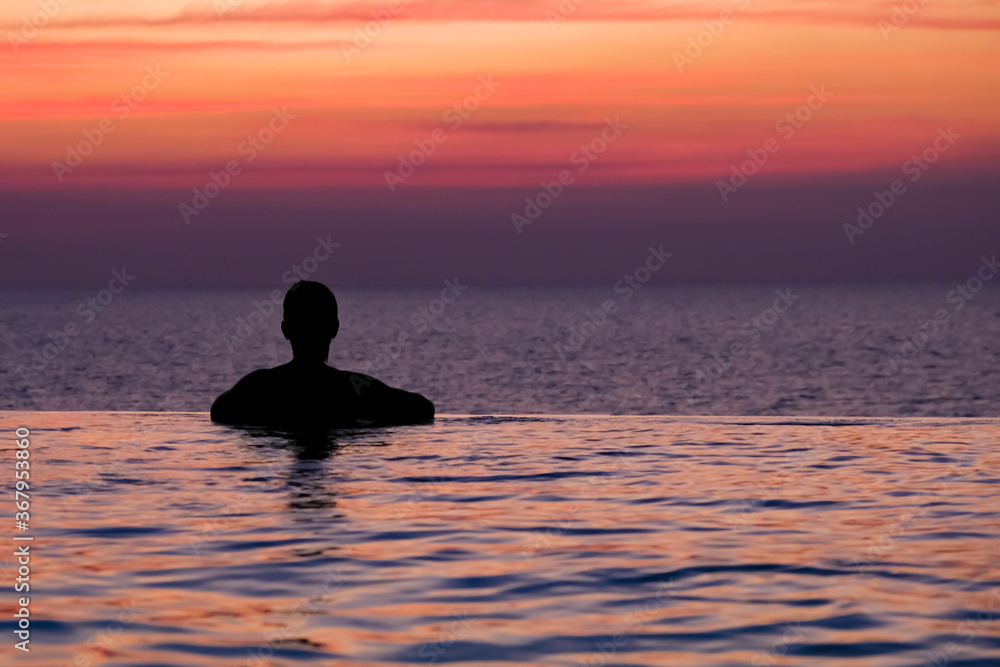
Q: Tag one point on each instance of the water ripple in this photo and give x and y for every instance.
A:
(527, 541)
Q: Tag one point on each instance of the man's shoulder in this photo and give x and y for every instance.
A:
(258, 379)
(258, 375)
(359, 381)
(244, 398)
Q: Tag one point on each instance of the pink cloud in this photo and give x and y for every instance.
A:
(974, 15)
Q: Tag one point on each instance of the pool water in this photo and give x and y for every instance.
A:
(163, 539)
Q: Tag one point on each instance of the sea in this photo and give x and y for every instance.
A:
(159, 539)
(698, 476)
(850, 350)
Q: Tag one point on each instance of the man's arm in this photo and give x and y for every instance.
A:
(387, 405)
(236, 406)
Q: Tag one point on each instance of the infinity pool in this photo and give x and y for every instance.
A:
(163, 539)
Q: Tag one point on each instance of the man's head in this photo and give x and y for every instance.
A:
(310, 318)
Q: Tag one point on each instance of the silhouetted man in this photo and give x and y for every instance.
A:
(308, 392)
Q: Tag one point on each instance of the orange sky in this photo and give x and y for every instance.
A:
(358, 106)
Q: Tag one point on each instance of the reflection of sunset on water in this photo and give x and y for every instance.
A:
(696, 541)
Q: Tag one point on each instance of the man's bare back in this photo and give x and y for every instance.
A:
(308, 392)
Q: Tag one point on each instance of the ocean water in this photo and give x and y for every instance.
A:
(160, 539)
(836, 351)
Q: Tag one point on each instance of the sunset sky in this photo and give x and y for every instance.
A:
(212, 74)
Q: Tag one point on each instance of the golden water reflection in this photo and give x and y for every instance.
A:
(164, 539)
